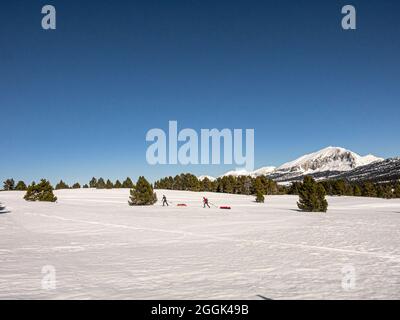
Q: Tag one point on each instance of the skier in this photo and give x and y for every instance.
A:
(164, 201)
(205, 202)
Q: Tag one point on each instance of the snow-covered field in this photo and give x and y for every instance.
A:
(102, 248)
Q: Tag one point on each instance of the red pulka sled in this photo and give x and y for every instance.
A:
(225, 207)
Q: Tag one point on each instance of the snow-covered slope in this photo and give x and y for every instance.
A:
(387, 170)
(325, 163)
(101, 248)
(263, 171)
(328, 159)
(259, 172)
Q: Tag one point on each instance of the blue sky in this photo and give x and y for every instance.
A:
(77, 102)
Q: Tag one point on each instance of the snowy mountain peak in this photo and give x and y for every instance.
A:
(201, 178)
(327, 162)
(263, 171)
(328, 159)
(259, 172)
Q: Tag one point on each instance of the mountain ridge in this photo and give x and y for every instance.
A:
(326, 163)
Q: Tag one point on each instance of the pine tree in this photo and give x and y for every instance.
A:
(397, 190)
(109, 184)
(339, 187)
(384, 191)
(76, 186)
(61, 185)
(9, 185)
(206, 184)
(294, 188)
(369, 190)
(127, 183)
(190, 182)
(312, 196)
(142, 193)
(21, 186)
(357, 191)
(258, 186)
(93, 183)
(118, 184)
(259, 197)
(85, 186)
(100, 184)
(40, 192)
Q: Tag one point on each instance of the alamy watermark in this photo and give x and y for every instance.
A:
(184, 146)
(349, 277)
(49, 19)
(49, 281)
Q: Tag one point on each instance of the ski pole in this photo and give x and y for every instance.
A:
(213, 204)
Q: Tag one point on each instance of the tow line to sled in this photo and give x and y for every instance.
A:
(221, 207)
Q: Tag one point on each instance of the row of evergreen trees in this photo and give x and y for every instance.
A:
(228, 184)
(342, 187)
(100, 183)
(141, 193)
(9, 185)
(260, 186)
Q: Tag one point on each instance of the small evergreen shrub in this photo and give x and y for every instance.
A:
(117, 184)
(397, 190)
(260, 197)
(42, 191)
(61, 185)
(100, 184)
(127, 183)
(9, 185)
(142, 194)
(109, 184)
(21, 186)
(93, 183)
(312, 196)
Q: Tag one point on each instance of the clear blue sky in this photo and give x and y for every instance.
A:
(77, 102)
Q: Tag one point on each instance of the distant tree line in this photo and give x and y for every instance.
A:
(227, 184)
(10, 185)
(342, 187)
(102, 184)
(141, 193)
(263, 186)
(236, 185)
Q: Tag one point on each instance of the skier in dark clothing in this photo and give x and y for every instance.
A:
(205, 202)
(164, 201)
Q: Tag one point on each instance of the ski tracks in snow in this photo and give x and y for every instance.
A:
(379, 255)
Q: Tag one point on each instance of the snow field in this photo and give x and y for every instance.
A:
(102, 248)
